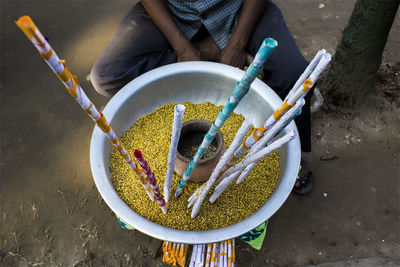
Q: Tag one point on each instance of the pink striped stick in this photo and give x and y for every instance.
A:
(151, 178)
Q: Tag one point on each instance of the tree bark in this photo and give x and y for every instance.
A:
(353, 70)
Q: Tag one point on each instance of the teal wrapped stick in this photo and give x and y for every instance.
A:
(241, 89)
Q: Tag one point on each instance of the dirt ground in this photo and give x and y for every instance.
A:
(52, 214)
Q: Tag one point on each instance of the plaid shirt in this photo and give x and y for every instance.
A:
(219, 17)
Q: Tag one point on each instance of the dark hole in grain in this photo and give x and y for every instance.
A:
(190, 141)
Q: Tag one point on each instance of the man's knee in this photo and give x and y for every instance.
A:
(99, 81)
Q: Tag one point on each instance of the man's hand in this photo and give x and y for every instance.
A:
(164, 20)
(209, 49)
(234, 56)
(234, 53)
(188, 53)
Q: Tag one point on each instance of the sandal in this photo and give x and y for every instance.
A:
(305, 180)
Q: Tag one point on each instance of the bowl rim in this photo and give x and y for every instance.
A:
(122, 210)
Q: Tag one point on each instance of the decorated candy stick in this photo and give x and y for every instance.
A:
(234, 156)
(203, 257)
(276, 128)
(151, 179)
(239, 92)
(226, 253)
(258, 133)
(213, 254)
(222, 186)
(165, 251)
(177, 250)
(269, 135)
(221, 254)
(176, 132)
(73, 87)
(194, 255)
(173, 254)
(169, 249)
(208, 255)
(233, 252)
(307, 72)
(198, 255)
(251, 159)
(235, 170)
(229, 253)
(322, 60)
(218, 256)
(203, 250)
(245, 172)
(266, 150)
(240, 134)
(183, 256)
(254, 157)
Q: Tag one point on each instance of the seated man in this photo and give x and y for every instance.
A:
(155, 33)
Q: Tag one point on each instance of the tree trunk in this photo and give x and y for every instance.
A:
(353, 70)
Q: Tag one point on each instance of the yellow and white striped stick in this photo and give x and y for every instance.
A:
(208, 255)
(221, 254)
(253, 138)
(219, 169)
(229, 253)
(165, 251)
(322, 59)
(73, 87)
(213, 254)
(313, 71)
(259, 132)
(233, 252)
(226, 253)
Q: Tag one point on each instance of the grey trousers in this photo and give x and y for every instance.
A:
(139, 46)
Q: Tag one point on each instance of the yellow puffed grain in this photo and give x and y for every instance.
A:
(151, 134)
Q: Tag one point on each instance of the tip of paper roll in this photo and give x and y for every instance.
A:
(253, 121)
(194, 213)
(191, 203)
(270, 42)
(327, 57)
(24, 21)
(137, 153)
(164, 209)
(150, 194)
(212, 198)
(180, 107)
